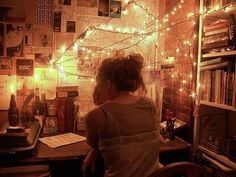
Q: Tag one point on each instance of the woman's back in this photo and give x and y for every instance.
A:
(129, 141)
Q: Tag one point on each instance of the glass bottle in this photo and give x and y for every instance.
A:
(13, 113)
(37, 107)
(44, 107)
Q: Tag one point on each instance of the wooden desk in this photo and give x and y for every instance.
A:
(175, 150)
(44, 153)
(69, 157)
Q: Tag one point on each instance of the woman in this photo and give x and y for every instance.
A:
(124, 127)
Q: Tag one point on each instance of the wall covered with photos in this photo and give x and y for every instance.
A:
(63, 42)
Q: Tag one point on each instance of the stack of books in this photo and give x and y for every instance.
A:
(66, 108)
(219, 36)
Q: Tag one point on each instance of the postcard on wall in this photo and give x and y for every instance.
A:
(6, 82)
(6, 66)
(42, 36)
(24, 67)
(70, 26)
(115, 9)
(66, 2)
(47, 81)
(57, 21)
(14, 40)
(1, 39)
(87, 3)
(42, 58)
(68, 39)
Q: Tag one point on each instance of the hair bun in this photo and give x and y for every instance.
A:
(135, 59)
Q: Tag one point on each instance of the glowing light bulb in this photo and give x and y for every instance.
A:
(12, 89)
(63, 49)
(125, 11)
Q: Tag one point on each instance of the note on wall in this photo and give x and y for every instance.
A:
(5, 90)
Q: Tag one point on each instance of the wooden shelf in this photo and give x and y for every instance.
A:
(221, 13)
(219, 157)
(223, 167)
(219, 54)
(221, 106)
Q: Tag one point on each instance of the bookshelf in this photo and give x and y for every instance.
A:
(214, 130)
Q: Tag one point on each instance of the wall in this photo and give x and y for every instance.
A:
(112, 36)
(180, 42)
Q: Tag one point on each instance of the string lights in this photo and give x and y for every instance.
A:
(133, 36)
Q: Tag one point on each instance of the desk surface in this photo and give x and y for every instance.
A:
(44, 153)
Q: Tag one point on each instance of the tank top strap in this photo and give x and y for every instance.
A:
(111, 117)
(154, 114)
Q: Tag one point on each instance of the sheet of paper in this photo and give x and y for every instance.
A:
(62, 139)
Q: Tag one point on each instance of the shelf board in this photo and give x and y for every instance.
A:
(221, 106)
(219, 54)
(223, 167)
(219, 157)
(221, 13)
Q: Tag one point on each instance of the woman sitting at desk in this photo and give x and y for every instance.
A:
(124, 128)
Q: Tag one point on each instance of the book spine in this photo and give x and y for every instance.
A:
(215, 66)
(67, 88)
(215, 38)
(223, 30)
(215, 45)
(218, 26)
(64, 94)
(61, 114)
(70, 115)
(210, 62)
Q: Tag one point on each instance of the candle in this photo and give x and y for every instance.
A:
(36, 78)
(12, 89)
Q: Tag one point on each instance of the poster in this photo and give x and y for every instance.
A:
(14, 40)
(42, 58)
(66, 2)
(6, 66)
(1, 39)
(42, 36)
(24, 67)
(5, 90)
(47, 82)
(70, 26)
(115, 9)
(87, 3)
(57, 21)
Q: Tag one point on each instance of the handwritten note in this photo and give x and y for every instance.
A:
(62, 139)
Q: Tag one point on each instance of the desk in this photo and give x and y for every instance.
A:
(73, 154)
(175, 150)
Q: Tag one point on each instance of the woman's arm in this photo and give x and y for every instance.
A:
(94, 124)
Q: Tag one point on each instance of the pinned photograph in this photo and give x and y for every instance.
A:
(115, 9)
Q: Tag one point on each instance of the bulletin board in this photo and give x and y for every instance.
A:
(5, 90)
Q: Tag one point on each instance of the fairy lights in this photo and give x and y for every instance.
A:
(133, 36)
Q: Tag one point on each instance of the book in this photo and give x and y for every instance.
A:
(215, 38)
(212, 61)
(67, 88)
(215, 66)
(64, 94)
(70, 115)
(219, 44)
(219, 24)
(218, 31)
(60, 107)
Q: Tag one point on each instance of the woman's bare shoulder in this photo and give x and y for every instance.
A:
(95, 118)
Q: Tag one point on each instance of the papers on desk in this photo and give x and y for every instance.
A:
(62, 139)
